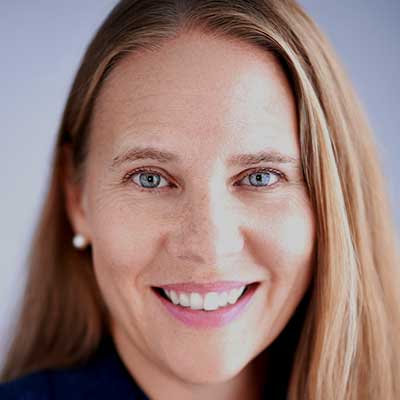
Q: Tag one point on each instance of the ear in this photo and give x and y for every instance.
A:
(74, 196)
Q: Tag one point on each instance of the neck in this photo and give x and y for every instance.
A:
(161, 385)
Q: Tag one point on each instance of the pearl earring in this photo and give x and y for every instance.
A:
(79, 241)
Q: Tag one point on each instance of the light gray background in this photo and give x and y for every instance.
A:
(41, 44)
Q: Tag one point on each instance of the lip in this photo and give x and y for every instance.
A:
(202, 288)
(212, 318)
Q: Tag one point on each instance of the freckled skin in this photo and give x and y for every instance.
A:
(204, 99)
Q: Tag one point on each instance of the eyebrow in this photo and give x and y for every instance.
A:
(164, 156)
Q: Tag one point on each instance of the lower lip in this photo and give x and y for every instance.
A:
(212, 318)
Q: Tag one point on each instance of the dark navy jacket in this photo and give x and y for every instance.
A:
(103, 377)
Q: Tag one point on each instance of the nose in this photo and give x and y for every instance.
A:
(210, 228)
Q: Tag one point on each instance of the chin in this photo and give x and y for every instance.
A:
(211, 372)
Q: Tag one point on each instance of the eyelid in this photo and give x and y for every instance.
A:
(255, 170)
(153, 170)
(251, 171)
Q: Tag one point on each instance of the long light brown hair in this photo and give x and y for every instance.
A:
(348, 344)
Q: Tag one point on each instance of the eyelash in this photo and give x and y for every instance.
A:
(280, 174)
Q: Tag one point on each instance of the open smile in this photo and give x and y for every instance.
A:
(211, 310)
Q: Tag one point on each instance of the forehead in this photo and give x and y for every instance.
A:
(198, 89)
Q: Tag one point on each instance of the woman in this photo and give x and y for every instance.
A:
(216, 225)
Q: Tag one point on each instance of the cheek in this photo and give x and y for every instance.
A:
(124, 249)
(124, 238)
(285, 249)
(287, 239)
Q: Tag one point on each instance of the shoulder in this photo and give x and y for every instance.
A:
(102, 377)
(51, 384)
(76, 383)
(34, 386)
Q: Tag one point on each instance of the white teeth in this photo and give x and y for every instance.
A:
(184, 300)
(233, 296)
(223, 299)
(174, 297)
(196, 301)
(241, 290)
(210, 301)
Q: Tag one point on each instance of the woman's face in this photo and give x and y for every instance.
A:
(203, 101)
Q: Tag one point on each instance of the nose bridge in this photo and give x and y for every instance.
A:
(211, 227)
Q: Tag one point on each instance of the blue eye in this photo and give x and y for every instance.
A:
(262, 178)
(150, 179)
